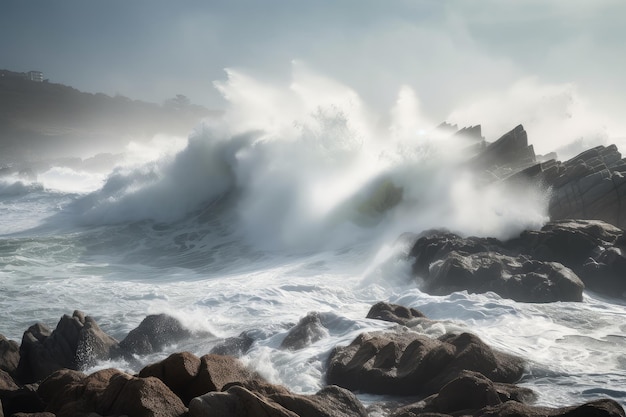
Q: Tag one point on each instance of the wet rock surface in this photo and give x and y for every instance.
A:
(451, 375)
(552, 264)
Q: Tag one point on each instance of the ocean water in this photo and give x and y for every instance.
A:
(298, 200)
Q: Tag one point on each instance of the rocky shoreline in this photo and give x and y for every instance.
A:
(455, 374)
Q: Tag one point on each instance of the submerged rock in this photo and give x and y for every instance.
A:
(394, 313)
(235, 346)
(308, 330)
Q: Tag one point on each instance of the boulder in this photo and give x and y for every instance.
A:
(394, 313)
(466, 394)
(402, 362)
(69, 393)
(517, 278)
(77, 341)
(551, 264)
(9, 356)
(153, 334)
(139, 397)
(241, 400)
(237, 401)
(216, 371)
(178, 371)
(109, 392)
(189, 376)
(593, 249)
(308, 330)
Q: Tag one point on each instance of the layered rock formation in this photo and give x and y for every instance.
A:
(591, 185)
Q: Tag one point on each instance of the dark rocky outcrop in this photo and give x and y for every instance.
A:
(591, 185)
(403, 362)
(153, 334)
(308, 330)
(76, 341)
(394, 313)
(594, 249)
(507, 155)
(517, 278)
(552, 264)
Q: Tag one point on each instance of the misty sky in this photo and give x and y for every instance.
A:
(452, 53)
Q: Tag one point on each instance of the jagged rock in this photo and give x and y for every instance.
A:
(76, 341)
(330, 401)
(510, 152)
(591, 185)
(234, 346)
(153, 334)
(9, 356)
(275, 401)
(394, 313)
(402, 362)
(93, 344)
(308, 330)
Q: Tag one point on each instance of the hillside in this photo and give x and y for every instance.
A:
(43, 119)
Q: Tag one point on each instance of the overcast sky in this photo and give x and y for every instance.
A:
(451, 52)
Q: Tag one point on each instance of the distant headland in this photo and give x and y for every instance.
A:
(39, 118)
